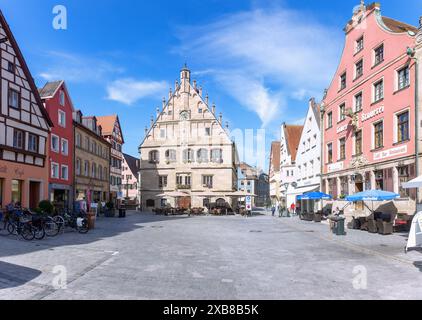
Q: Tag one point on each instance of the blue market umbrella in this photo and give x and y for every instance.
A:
(315, 196)
(373, 195)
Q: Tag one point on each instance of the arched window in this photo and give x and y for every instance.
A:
(154, 156)
(202, 156)
(220, 203)
(217, 155)
(171, 155)
(188, 155)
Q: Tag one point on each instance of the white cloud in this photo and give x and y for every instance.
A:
(77, 68)
(128, 91)
(272, 55)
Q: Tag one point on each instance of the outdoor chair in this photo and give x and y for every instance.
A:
(318, 217)
(384, 228)
(363, 222)
(372, 226)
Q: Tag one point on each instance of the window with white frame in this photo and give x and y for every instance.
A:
(55, 143)
(65, 147)
(18, 139)
(32, 143)
(403, 77)
(55, 171)
(358, 102)
(62, 99)
(65, 172)
(379, 55)
(329, 119)
(342, 112)
(343, 79)
(359, 44)
(359, 69)
(14, 99)
(62, 118)
(379, 90)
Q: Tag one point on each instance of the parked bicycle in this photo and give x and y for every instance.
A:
(44, 226)
(73, 221)
(19, 223)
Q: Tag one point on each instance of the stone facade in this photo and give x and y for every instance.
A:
(92, 161)
(186, 149)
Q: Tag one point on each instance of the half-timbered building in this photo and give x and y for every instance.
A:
(24, 128)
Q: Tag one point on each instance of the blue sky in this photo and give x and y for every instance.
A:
(260, 61)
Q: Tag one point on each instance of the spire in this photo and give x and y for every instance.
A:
(185, 73)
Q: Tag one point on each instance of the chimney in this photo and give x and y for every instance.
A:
(221, 118)
(213, 108)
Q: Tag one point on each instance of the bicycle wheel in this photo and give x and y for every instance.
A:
(12, 228)
(39, 232)
(51, 228)
(84, 227)
(59, 220)
(28, 232)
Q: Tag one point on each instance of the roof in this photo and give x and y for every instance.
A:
(275, 155)
(25, 68)
(397, 26)
(249, 171)
(50, 89)
(107, 123)
(132, 163)
(293, 135)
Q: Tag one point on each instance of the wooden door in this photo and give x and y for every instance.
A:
(34, 195)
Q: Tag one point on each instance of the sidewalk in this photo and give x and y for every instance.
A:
(390, 246)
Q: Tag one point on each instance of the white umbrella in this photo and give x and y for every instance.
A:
(175, 194)
(415, 183)
(241, 194)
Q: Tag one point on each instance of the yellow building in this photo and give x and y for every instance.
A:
(92, 160)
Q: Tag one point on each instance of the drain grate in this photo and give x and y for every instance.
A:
(255, 231)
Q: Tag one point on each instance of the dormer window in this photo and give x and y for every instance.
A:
(359, 44)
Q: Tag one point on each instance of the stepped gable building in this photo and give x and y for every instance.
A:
(188, 150)
(24, 129)
(369, 111)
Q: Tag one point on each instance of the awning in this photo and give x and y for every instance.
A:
(415, 183)
(303, 190)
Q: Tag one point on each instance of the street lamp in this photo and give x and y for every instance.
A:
(412, 55)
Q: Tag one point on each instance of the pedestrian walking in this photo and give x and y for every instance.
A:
(273, 211)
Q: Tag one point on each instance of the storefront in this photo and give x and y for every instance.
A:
(22, 183)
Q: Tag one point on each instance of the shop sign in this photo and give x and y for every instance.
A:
(335, 167)
(342, 128)
(373, 113)
(390, 153)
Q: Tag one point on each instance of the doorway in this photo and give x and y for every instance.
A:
(359, 188)
(185, 202)
(34, 194)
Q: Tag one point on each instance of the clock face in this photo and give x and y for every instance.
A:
(184, 115)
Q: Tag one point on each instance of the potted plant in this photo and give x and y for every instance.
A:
(46, 207)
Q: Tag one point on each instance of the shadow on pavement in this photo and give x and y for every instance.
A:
(12, 275)
(104, 228)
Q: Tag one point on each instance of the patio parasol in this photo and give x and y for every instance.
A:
(315, 196)
(373, 195)
(415, 183)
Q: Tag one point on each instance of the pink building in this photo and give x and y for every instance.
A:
(369, 110)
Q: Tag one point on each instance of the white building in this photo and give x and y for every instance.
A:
(130, 178)
(290, 137)
(308, 159)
